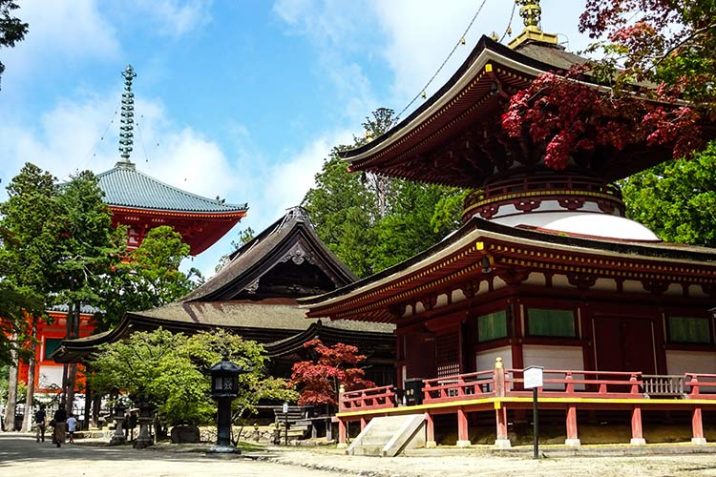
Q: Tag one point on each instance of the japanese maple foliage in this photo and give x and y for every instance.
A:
(659, 59)
(318, 380)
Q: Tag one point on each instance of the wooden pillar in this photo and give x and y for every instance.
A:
(637, 434)
(463, 435)
(572, 432)
(697, 427)
(501, 440)
(363, 423)
(429, 431)
(342, 434)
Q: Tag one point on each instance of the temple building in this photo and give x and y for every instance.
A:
(139, 202)
(546, 270)
(255, 296)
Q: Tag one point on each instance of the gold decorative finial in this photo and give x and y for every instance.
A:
(531, 13)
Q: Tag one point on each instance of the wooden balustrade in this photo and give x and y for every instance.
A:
(557, 383)
(371, 398)
(459, 386)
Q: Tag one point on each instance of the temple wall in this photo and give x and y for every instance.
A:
(553, 357)
(680, 362)
(50, 376)
(485, 360)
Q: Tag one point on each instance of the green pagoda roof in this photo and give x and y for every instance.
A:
(125, 186)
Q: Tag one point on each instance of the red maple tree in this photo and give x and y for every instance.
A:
(318, 380)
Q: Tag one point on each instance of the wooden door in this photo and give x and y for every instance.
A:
(624, 344)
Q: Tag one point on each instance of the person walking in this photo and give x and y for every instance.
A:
(71, 428)
(40, 418)
(60, 418)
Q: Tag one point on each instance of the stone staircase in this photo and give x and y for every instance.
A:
(390, 435)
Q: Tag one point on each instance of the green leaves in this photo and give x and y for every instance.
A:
(169, 369)
(677, 200)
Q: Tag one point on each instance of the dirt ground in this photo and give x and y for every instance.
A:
(606, 462)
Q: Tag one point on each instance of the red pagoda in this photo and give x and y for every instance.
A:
(546, 271)
(141, 203)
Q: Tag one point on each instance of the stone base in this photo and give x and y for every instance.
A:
(572, 442)
(117, 440)
(223, 450)
(638, 441)
(143, 443)
(698, 441)
(430, 444)
(342, 445)
(502, 444)
(463, 444)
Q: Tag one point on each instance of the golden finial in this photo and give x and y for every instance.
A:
(531, 13)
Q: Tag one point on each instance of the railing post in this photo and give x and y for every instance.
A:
(429, 431)
(634, 384)
(572, 433)
(499, 378)
(363, 423)
(697, 427)
(569, 389)
(694, 383)
(463, 435)
(637, 434)
(341, 404)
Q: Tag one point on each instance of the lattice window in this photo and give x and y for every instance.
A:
(684, 329)
(447, 352)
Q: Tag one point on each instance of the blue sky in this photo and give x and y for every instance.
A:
(237, 98)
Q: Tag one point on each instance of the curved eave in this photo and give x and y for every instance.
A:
(457, 260)
(327, 334)
(184, 214)
(486, 51)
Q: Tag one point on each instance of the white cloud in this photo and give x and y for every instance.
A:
(176, 17)
(60, 32)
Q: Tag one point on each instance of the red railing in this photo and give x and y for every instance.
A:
(576, 382)
(371, 398)
(459, 386)
(701, 385)
(557, 383)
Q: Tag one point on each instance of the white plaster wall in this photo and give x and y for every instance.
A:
(554, 357)
(680, 362)
(485, 360)
(50, 375)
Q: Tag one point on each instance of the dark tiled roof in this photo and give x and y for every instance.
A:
(256, 257)
(125, 186)
(552, 55)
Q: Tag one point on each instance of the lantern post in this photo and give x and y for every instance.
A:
(224, 388)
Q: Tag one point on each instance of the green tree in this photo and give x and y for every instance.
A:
(244, 236)
(12, 29)
(148, 277)
(371, 222)
(168, 369)
(677, 200)
(30, 230)
(90, 250)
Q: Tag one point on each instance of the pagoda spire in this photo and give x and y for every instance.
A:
(126, 129)
(531, 13)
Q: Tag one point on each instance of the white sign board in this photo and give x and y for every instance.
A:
(285, 408)
(533, 377)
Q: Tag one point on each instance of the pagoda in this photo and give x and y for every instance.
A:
(546, 271)
(139, 202)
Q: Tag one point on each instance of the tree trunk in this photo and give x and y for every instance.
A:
(73, 324)
(11, 405)
(30, 394)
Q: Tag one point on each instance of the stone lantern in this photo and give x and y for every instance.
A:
(145, 419)
(224, 388)
(118, 417)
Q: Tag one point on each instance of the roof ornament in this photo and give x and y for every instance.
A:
(126, 129)
(294, 214)
(531, 13)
